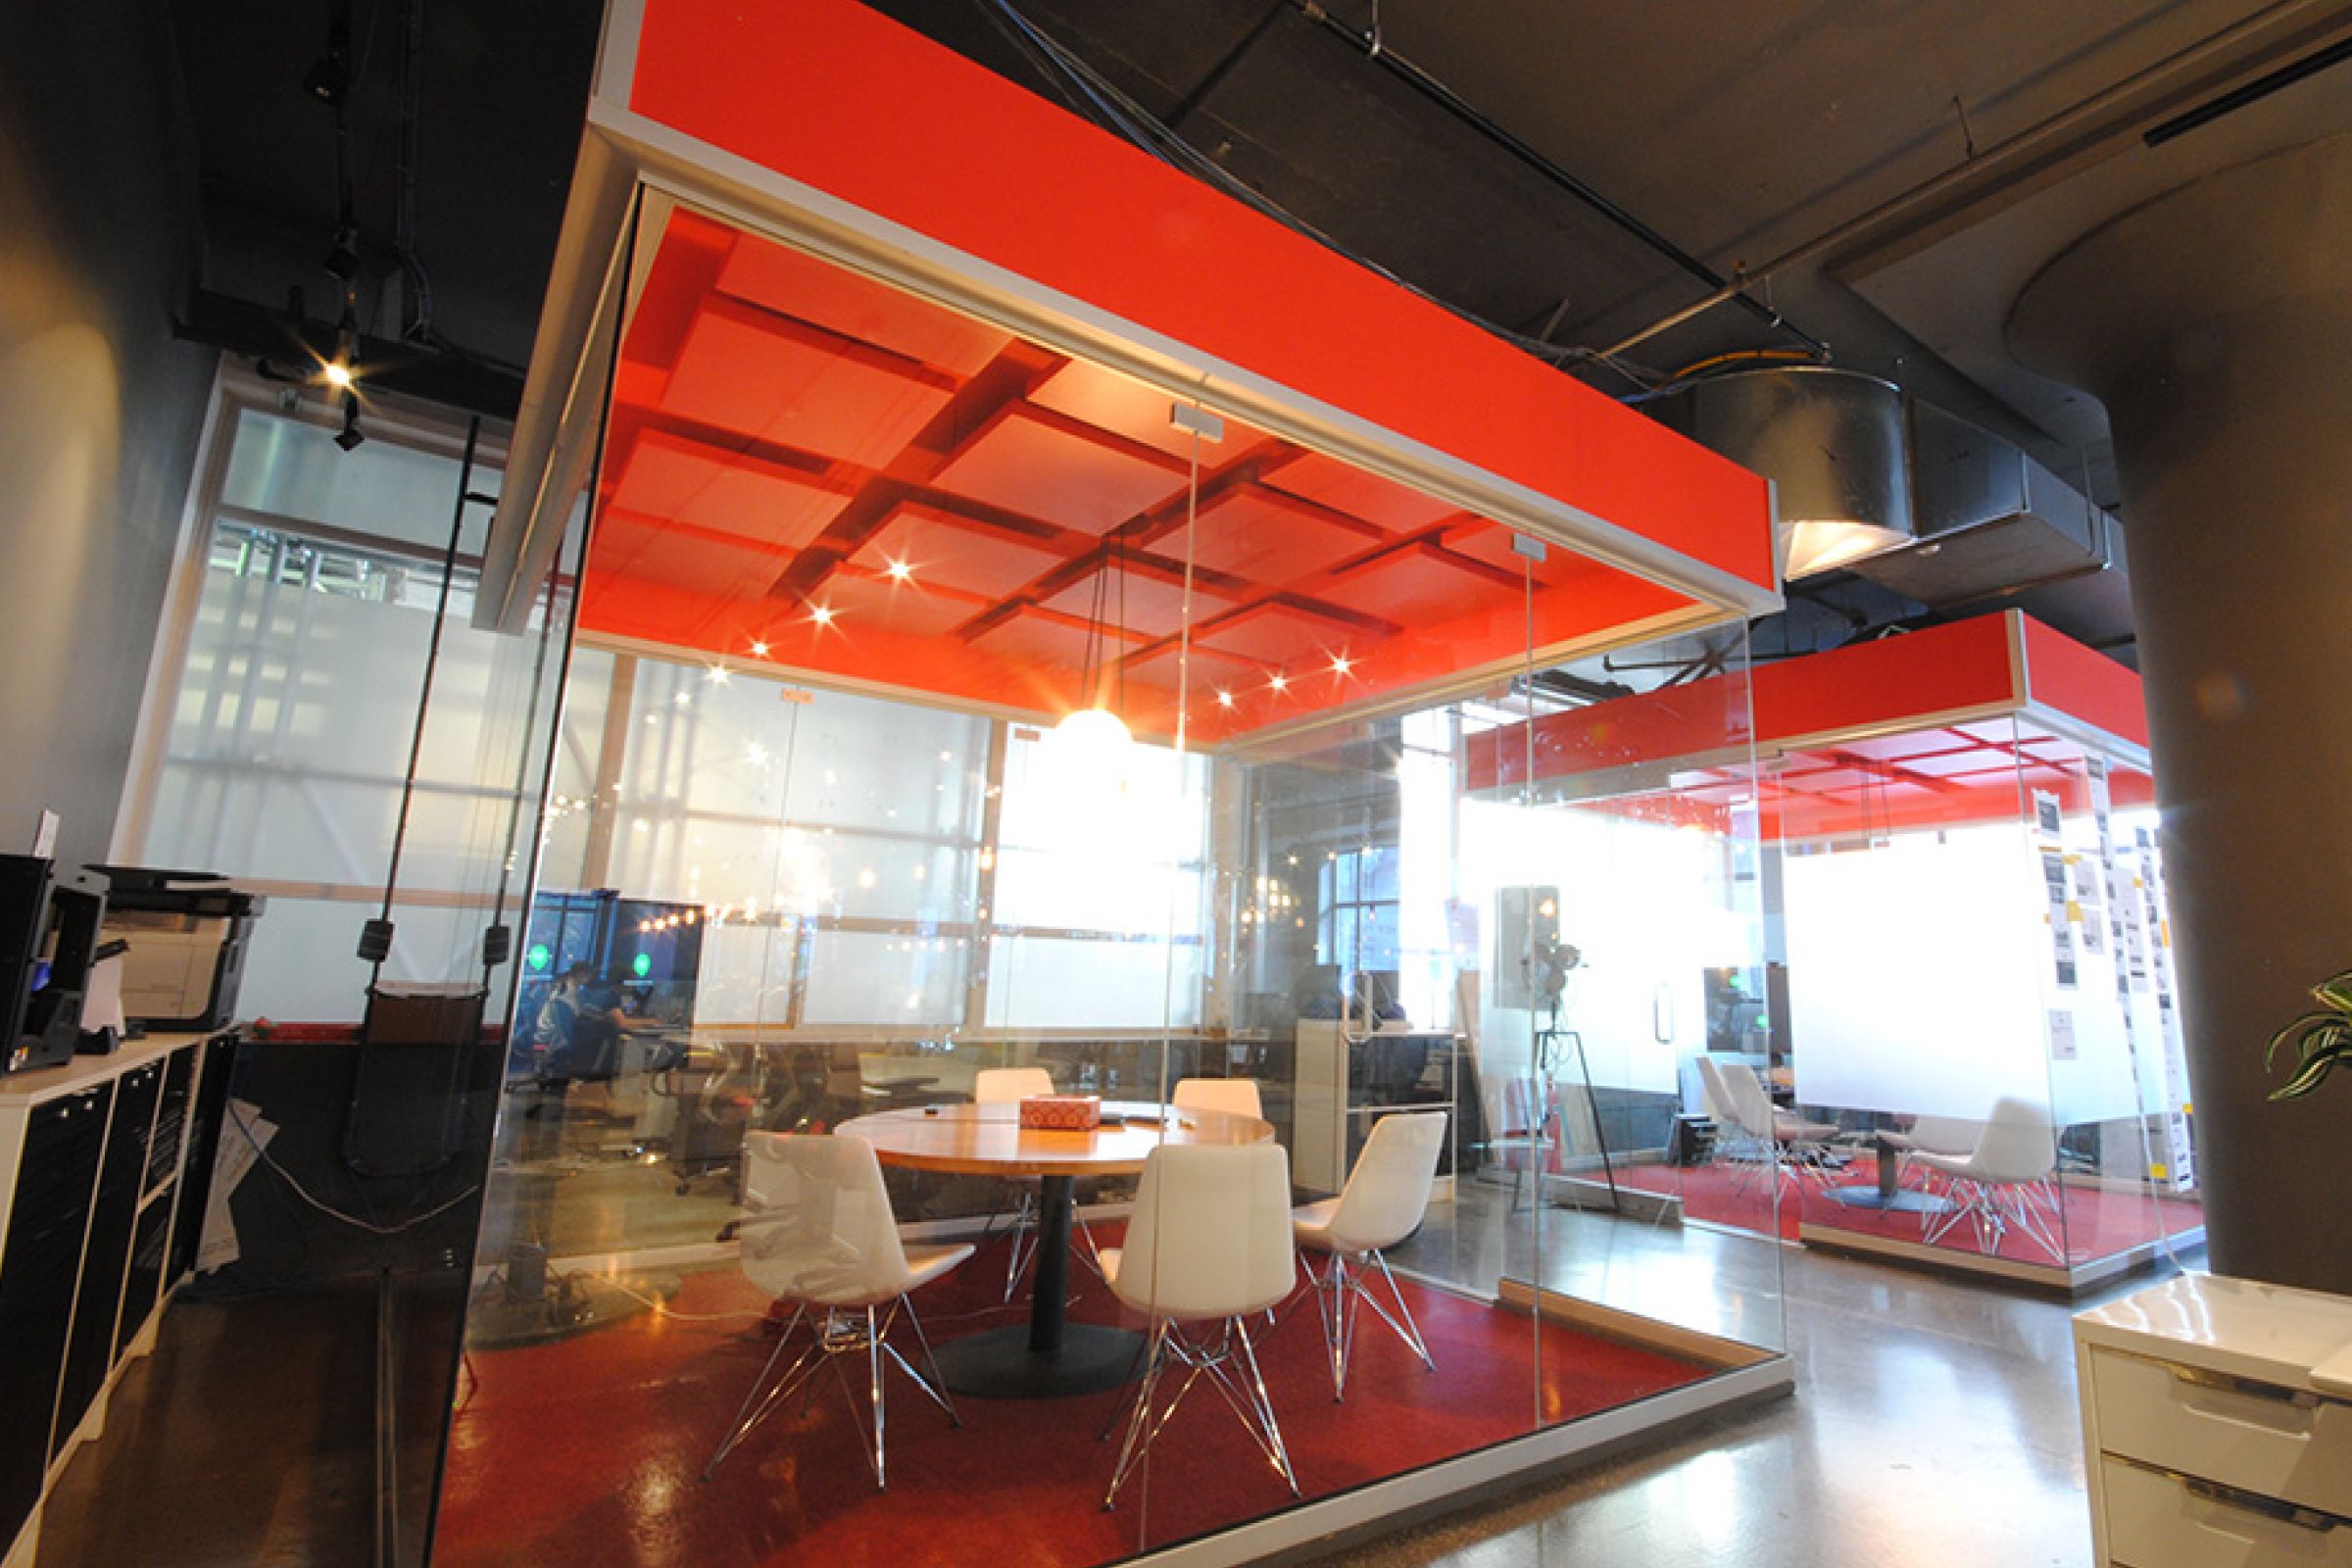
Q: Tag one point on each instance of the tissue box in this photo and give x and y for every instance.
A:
(1062, 1113)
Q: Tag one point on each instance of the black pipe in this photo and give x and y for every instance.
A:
(1446, 98)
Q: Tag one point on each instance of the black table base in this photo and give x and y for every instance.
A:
(1051, 1357)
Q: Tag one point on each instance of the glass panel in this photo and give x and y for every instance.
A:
(853, 764)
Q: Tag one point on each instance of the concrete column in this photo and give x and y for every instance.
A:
(2216, 324)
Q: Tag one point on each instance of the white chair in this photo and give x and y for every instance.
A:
(1998, 1182)
(817, 1230)
(1932, 1135)
(1382, 1204)
(1236, 1097)
(1210, 1243)
(998, 1086)
(1785, 1139)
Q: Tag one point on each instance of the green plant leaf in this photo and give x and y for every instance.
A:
(2304, 1032)
(2315, 1069)
(2335, 993)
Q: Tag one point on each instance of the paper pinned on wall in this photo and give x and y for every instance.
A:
(2062, 1035)
(2049, 817)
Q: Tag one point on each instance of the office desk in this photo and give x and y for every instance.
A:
(1050, 1356)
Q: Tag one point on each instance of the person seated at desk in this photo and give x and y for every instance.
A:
(581, 1024)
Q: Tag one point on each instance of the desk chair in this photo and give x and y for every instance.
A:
(1382, 1204)
(1236, 1097)
(1998, 1182)
(1210, 1243)
(996, 1085)
(817, 1230)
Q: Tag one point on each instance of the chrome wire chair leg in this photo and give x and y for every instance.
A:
(873, 1361)
(933, 1385)
(1330, 1305)
(1407, 1330)
(1024, 1243)
(2032, 1225)
(1963, 1198)
(754, 1409)
(1277, 1450)
(1154, 1363)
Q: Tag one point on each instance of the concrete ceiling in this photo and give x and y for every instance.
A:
(1739, 129)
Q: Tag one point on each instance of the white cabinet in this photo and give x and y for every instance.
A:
(2208, 1441)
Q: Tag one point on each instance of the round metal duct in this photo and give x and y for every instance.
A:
(1831, 442)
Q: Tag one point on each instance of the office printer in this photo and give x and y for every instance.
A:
(188, 932)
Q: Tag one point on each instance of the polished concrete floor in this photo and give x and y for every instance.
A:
(1933, 1424)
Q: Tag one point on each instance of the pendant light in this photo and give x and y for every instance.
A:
(1090, 743)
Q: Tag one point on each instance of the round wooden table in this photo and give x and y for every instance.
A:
(1052, 1356)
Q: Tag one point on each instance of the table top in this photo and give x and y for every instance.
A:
(990, 1141)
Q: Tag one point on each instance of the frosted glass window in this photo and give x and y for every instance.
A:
(1915, 973)
(294, 470)
(904, 982)
(1045, 983)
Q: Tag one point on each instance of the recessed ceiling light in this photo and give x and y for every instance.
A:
(337, 375)
(900, 571)
(1280, 683)
(759, 650)
(716, 674)
(1224, 699)
(1341, 667)
(822, 614)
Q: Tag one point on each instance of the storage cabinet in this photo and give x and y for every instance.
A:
(98, 1212)
(2209, 1442)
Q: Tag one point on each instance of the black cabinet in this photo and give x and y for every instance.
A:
(97, 1304)
(40, 1264)
(206, 1123)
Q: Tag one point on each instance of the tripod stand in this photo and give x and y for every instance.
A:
(1547, 1046)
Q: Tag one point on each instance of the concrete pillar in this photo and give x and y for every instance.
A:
(2216, 324)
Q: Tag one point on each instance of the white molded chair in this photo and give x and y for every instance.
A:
(998, 1086)
(1210, 1243)
(1382, 1204)
(1236, 1097)
(817, 1230)
(1998, 1182)
(1785, 1139)
(1933, 1135)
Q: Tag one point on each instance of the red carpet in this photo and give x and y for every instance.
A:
(585, 1452)
(2097, 1223)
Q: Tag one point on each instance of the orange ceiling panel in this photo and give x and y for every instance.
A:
(1048, 468)
(859, 600)
(792, 283)
(1263, 535)
(1150, 602)
(707, 487)
(1048, 641)
(1419, 582)
(1315, 477)
(937, 547)
(668, 556)
(792, 387)
(1111, 402)
(1287, 636)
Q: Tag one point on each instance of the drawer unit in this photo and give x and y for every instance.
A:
(2158, 1519)
(2207, 1443)
(2263, 1438)
(90, 1159)
(57, 1173)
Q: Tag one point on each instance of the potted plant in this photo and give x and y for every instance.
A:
(2321, 1040)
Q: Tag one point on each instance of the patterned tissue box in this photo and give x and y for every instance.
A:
(1062, 1113)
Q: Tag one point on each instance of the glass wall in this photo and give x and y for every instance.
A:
(957, 736)
(1980, 998)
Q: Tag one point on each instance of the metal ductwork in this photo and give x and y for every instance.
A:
(1832, 444)
(1916, 500)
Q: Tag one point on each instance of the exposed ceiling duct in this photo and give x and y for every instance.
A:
(1912, 498)
(1831, 442)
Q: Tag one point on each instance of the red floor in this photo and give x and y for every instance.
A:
(2097, 1223)
(585, 1452)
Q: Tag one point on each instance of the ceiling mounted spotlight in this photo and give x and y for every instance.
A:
(350, 436)
(329, 77)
